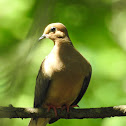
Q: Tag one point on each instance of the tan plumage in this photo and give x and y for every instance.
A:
(64, 74)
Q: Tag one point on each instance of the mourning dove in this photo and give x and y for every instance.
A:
(63, 77)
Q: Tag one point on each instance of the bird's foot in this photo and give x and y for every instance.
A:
(54, 108)
(67, 107)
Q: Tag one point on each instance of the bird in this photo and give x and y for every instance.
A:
(63, 77)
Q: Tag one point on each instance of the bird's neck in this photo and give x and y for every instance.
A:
(62, 49)
(62, 42)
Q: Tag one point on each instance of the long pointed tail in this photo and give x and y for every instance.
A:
(39, 122)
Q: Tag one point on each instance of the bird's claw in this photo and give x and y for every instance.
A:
(68, 107)
(54, 108)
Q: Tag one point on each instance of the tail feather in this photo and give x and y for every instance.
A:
(39, 122)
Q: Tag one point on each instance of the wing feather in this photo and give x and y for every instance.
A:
(83, 89)
(41, 88)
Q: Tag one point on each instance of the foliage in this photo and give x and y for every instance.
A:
(96, 28)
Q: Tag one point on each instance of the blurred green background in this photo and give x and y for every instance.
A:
(97, 29)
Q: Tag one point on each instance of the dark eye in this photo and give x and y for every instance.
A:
(53, 29)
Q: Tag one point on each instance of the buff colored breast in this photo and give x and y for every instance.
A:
(66, 73)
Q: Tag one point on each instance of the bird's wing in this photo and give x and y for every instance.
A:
(83, 89)
(41, 89)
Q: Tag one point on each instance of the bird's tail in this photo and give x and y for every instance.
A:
(39, 122)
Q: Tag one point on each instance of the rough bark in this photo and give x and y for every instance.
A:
(103, 112)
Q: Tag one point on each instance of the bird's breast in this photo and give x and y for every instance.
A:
(53, 65)
(67, 69)
(66, 81)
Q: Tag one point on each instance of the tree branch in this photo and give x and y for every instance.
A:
(103, 112)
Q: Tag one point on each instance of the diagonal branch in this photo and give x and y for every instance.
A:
(103, 112)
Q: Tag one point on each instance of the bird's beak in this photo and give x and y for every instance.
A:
(42, 37)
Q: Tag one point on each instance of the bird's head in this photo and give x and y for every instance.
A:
(55, 31)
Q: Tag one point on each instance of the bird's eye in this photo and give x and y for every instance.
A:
(53, 29)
